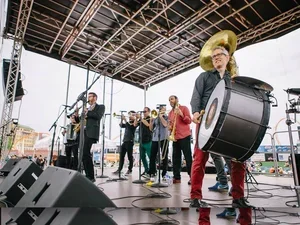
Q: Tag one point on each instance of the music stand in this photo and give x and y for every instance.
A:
(120, 178)
(103, 148)
(140, 181)
(159, 184)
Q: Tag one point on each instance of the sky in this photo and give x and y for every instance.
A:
(276, 62)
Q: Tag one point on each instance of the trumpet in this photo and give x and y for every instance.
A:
(154, 113)
(129, 114)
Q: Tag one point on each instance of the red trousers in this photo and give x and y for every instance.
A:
(238, 172)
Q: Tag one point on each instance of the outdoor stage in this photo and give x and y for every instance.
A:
(276, 194)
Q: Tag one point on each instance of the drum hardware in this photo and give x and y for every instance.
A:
(293, 109)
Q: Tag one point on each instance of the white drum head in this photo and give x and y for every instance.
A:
(211, 115)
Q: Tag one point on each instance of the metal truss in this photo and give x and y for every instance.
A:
(209, 8)
(149, 43)
(271, 26)
(12, 79)
(83, 21)
(255, 34)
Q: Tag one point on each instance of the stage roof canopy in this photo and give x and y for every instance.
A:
(145, 42)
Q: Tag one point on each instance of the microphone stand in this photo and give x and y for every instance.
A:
(159, 184)
(120, 178)
(54, 125)
(103, 147)
(140, 181)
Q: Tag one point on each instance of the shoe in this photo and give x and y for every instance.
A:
(116, 172)
(227, 214)
(152, 178)
(189, 182)
(146, 176)
(219, 187)
(197, 203)
(128, 173)
(241, 203)
(230, 192)
(176, 181)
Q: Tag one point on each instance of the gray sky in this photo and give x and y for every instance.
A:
(275, 62)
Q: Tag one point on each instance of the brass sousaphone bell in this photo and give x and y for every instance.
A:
(226, 39)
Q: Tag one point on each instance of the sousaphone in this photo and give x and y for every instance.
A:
(226, 39)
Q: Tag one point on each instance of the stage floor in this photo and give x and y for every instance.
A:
(261, 195)
(130, 216)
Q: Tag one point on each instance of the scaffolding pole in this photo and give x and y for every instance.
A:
(12, 79)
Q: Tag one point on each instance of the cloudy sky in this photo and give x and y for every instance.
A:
(276, 62)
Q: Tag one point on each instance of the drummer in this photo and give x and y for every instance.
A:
(203, 88)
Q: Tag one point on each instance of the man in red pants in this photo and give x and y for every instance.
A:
(204, 86)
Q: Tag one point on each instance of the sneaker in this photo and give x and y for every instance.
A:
(241, 203)
(227, 214)
(146, 176)
(197, 203)
(230, 192)
(152, 178)
(116, 172)
(128, 173)
(219, 187)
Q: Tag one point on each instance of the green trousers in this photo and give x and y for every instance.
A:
(145, 150)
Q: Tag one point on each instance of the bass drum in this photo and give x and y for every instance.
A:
(236, 119)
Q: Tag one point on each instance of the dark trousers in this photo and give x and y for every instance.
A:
(164, 147)
(184, 145)
(127, 147)
(69, 150)
(220, 168)
(87, 157)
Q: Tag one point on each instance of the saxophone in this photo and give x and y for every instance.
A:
(172, 136)
(77, 126)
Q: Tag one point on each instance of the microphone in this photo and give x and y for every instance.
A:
(63, 127)
(107, 114)
(66, 106)
(123, 111)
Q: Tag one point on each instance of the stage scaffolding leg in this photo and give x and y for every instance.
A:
(111, 105)
(13, 74)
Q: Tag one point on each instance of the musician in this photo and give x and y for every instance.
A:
(159, 128)
(128, 141)
(204, 86)
(146, 140)
(71, 146)
(182, 128)
(93, 116)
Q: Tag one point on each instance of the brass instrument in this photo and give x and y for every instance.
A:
(172, 135)
(154, 113)
(226, 39)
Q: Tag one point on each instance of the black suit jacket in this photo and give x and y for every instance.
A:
(93, 121)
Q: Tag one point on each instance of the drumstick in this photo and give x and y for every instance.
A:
(201, 115)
